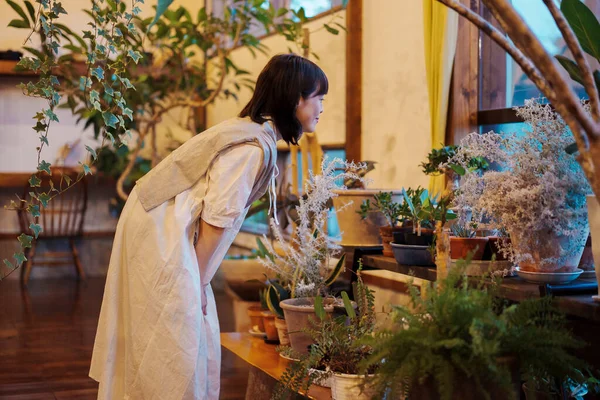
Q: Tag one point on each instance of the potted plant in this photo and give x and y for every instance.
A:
(456, 341)
(464, 241)
(358, 230)
(383, 203)
(537, 194)
(437, 164)
(337, 350)
(307, 263)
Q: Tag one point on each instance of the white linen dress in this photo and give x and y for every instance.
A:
(153, 340)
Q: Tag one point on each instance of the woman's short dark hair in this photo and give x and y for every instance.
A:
(284, 79)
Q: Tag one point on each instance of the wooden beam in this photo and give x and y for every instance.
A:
(354, 15)
(492, 69)
(465, 82)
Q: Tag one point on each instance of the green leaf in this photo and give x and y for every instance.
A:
(92, 152)
(108, 90)
(94, 96)
(86, 169)
(129, 113)
(19, 11)
(17, 23)
(110, 119)
(34, 210)
(585, 25)
(39, 116)
(8, 264)
(25, 240)
(36, 229)
(572, 148)
(34, 181)
(458, 169)
(50, 114)
(127, 83)
(30, 9)
(20, 258)
(44, 139)
(135, 55)
(98, 72)
(273, 300)
(160, 10)
(118, 32)
(330, 29)
(44, 198)
(336, 271)
(54, 80)
(58, 9)
(40, 127)
(348, 305)
(44, 166)
(88, 35)
(319, 309)
(67, 179)
(571, 67)
(262, 250)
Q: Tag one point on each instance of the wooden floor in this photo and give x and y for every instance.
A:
(46, 337)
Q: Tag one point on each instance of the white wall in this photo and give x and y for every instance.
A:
(331, 51)
(395, 118)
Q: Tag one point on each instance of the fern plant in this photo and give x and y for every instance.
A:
(458, 333)
(338, 343)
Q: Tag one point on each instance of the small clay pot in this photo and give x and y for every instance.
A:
(270, 328)
(256, 318)
(282, 331)
(460, 247)
(387, 236)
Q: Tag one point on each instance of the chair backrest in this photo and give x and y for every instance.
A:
(64, 215)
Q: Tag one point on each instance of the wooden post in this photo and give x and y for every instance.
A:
(354, 15)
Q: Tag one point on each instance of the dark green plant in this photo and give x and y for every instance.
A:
(464, 230)
(337, 347)
(438, 157)
(458, 332)
(423, 210)
(382, 203)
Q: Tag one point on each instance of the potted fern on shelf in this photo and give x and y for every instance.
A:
(456, 341)
(308, 263)
(337, 351)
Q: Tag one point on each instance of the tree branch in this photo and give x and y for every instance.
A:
(499, 37)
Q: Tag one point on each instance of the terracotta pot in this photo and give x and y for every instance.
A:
(387, 236)
(282, 331)
(297, 313)
(256, 318)
(270, 329)
(594, 220)
(356, 231)
(493, 248)
(346, 387)
(531, 393)
(460, 247)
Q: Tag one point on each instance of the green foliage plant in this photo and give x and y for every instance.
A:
(437, 162)
(382, 203)
(459, 332)
(423, 210)
(338, 343)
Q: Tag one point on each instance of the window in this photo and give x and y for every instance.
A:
(502, 83)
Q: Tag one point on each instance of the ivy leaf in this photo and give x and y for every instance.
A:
(34, 210)
(54, 45)
(58, 9)
(40, 127)
(54, 80)
(44, 166)
(108, 90)
(68, 179)
(86, 169)
(102, 49)
(20, 257)
(135, 55)
(92, 152)
(110, 119)
(44, 139)
(129, 113)
(50, 114)
(136, 10)
(9, 264)
(25, 240)
(44, 198)
(88, 35)
(94, 96)
(34, 181)
(55, 98)
(127, 83)
(98, 72)
(36, 229)
(39, 116)
(82, 80)
(118, 32)
(97, 106)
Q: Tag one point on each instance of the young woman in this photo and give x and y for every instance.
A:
(158, 333)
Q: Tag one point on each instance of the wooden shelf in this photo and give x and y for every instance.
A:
(7, 68)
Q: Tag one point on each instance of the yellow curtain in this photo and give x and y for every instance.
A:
(441, 30)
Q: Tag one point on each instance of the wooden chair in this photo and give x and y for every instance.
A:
(61, 220)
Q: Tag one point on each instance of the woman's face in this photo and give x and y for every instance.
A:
(309, 110)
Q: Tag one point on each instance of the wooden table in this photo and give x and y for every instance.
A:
(266, 366)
